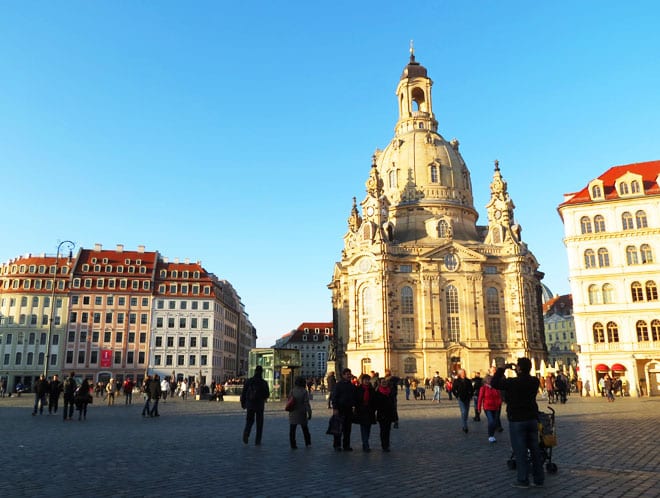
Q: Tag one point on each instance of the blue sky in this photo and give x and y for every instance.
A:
(237, 133)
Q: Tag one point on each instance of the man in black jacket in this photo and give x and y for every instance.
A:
(69, 388)
(253, 398)
(343, 401)
(522, 412)
(463, 390)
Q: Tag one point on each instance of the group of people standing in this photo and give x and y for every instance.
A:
(74, 396)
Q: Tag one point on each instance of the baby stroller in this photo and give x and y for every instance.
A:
(547, 441)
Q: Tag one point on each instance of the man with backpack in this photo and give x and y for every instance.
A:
(253, 398)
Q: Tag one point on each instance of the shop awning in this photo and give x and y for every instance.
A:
(602, 368)
(618, 367)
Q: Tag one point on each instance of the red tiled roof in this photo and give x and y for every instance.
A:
(314, 325)
(648, 170)
(563, 304)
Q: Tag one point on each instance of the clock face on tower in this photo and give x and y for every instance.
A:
(370, 211)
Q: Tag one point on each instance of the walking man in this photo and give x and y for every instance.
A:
(437, 383)
(477, 382)
(40, 392)
(462, 389)
(253, 399)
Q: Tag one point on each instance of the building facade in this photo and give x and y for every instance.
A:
(612, 238)
(420, 286)
(114, 314)
(313, 340)
(560, 331)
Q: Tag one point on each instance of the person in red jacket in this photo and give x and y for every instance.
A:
(490, 401)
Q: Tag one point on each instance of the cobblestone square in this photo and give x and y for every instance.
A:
(195, 449)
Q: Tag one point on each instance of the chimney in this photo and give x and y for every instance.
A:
(140, 249)
(187, 261)
(176, 261)
(98, 247)
(120, 248)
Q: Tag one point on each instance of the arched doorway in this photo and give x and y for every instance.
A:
(653, 377)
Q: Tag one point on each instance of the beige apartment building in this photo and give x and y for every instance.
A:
(612, 238)
(420, 286)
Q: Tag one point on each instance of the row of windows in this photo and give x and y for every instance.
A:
(34, 269)
(117, 356)
(109, 300)
(35, 302)
(181, 341)
(29, 359)
(627, 222)
(183, 322)
(633, 256)
(109, 316)
(36, 284)
(108, 268)
(181, 360)
(610, 333)
(605, 294)
(171, 305)
(184, 289)
(107, 336)
(175, 274)
(100, 283)
(623, 189)
(32, 338)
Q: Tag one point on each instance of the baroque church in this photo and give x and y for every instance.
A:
(420, 286)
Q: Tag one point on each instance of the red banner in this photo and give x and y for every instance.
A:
(106, 358)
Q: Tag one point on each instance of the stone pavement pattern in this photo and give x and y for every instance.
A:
(195, 449)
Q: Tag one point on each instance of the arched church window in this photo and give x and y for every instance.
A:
(594, 294)
(453, 314)
(492, 301)
(599, 223)
(589, 259)
(646, 253)
(631, 255)
(603, 258)
(585, 224)
(434, 173)
(651, 291)
(366, 307)
(443, 229)
(655, 330)
(407, 301)
(392, 179)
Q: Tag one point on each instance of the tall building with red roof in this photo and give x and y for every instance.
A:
(612, 238)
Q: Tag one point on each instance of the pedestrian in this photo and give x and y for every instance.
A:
(448, 387)
(2, 388)
(490, 401)
(146, 409)
(477, 382)
(608, 387)
(54, 390)
(393, 382)
(40, 393)
(522, 411)
(184, 389)
(127, 387)
(406, 386)
(365, 409)
(343, 402)
(462, 389)
(110, 388)
(437, 384)
(154, 394)
(82, 398)
(164, 388)
(561, 386)
(332, 382)
(253, 399)
(69, 392)
(301, 413)
(385, 403)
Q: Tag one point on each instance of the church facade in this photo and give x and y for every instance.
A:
(421, 287)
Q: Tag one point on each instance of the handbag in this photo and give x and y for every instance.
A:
(335, 425)
(290, 403)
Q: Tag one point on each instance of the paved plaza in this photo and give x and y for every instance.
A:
(195, 449)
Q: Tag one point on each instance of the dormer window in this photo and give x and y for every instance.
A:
(634, 187)
(596, 192)
(623, 188)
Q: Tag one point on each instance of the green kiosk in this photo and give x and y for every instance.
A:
(280, 366)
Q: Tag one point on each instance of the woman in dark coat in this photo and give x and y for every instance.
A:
(365, 412)
(301, 413)
(385, 411)
(82, 399)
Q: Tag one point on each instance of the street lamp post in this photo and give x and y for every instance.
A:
(70, 245)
